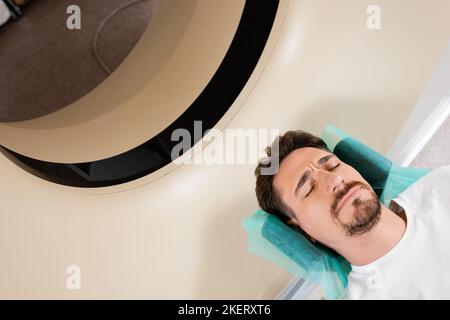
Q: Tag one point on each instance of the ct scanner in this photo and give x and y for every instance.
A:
(174, 231)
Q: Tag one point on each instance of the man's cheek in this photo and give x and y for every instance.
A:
(318, 212)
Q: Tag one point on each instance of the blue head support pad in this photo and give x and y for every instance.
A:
(270, 238)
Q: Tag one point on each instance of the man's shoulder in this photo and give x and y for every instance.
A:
(439, 176)
(442, 172)
(434, 185)
(436, 181)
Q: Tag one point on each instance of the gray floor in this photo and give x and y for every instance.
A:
(44, 66)
(436, 152)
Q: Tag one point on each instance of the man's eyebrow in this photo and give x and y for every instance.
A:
(302, 181)
(325, 159)
(306, 175)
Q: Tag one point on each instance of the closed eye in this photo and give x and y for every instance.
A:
(335, 167)
(312, 187)
(309, 192)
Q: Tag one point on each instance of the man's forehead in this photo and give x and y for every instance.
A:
(297, 161)
(304, 156)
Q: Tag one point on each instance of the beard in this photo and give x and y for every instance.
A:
(366, 212)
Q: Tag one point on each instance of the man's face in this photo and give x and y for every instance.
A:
(330, 199)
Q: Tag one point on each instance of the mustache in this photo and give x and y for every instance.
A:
(341, 194)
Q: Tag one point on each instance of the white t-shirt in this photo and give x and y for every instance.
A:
(418, 267)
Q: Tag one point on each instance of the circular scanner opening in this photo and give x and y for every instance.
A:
(222, 88)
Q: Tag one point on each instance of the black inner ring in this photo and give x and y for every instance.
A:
(220, 93)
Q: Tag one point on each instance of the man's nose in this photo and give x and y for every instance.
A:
(333, 183)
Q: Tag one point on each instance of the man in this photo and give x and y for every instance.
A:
(396, 252)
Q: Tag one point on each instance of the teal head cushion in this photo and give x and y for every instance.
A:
(272, 239)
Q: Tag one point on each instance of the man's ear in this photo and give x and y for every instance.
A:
(293, 222)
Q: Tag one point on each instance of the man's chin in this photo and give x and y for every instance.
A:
(348, 212)
(364, 216)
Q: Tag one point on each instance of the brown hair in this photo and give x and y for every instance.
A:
(268, 198)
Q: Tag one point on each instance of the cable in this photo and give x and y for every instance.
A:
(97, 54)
